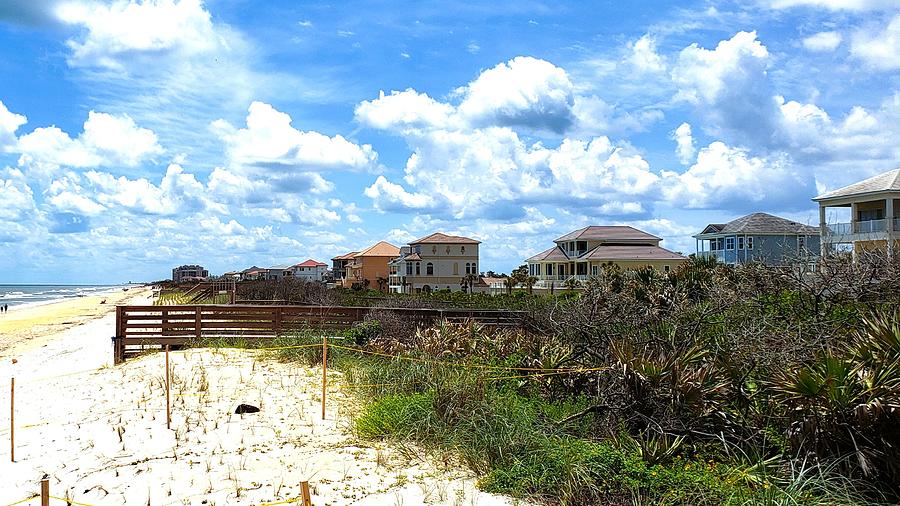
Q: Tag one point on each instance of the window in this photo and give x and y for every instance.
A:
(429, 269)
(462, 249)
(741, 242)
(750, 242)
(549, 269)
(418, 268)
(595, 270)
(456, 268)
(474, 269)
(408, 269)
(729, 243)
(666, 268)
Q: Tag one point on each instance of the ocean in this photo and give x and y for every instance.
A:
(33, 295)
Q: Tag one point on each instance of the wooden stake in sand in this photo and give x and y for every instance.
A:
(324, 371)
(305, 499)
(45, 492)
(12, 416)
(168, 387)
(12, 419)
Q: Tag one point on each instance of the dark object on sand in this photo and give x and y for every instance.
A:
(103, 301)
(246, 408)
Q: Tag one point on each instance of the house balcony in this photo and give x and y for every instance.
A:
(857, 231)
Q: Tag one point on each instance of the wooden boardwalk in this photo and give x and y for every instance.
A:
(152, 327)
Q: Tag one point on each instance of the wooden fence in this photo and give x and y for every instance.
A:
(140, 328)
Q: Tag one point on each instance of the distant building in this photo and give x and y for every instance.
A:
(310, 270)
(493, 285)
(339, 266)
(874, 215)
(581, 254)
(277, 272)
(253, 273)
(759, 237)
(189, 273)
(436, 262)
(369, 267)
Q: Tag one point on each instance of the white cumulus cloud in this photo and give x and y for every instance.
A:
(9, 123)
(880, 50)
(124, 28)
(106, 140)
(684, 143)
(823, 41)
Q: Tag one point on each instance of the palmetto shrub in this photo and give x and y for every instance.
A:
(845, 405)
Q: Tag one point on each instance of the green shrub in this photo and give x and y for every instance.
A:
(364, 332)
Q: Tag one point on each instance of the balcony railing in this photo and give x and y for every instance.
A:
(861, 227)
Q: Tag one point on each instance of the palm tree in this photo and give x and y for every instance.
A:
(510, 283)
(530, 282)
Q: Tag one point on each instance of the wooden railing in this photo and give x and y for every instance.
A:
(140, 328)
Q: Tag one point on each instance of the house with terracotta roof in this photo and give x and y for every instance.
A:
(581, 254)
(759, 237)
(339, 266)
(310, 270)
(253, 273)
(436, 262)
(874, 221)
(369, 267)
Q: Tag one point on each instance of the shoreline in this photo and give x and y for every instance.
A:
(36, 324)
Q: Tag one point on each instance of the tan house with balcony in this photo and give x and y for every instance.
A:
(581, 254)
(369, 267)
(874, 223)
(437, 262)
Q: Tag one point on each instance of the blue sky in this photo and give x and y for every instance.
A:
(140, 135)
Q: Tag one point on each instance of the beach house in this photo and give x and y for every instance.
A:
(277, 272)
(339, 266)
(189, 273)
(873, 223)
(310, 270)
(759, 237)
(581, 254)
(369, 267)
(436, 262)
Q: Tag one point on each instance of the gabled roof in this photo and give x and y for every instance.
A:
(761, 224)
(441, 238)
(279, 268)
(311, 263)
(252, 269)
(631, 252)
(489, 280)
(346, 256)
(379, 249)
(888, 181)
(713, 228)
(554, 253)
(609, 233)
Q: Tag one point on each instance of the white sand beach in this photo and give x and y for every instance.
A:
(99, 432)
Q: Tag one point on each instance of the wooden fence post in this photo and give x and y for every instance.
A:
(305, 499)
(12, 419)
(168, 387)
(324, 371)
(198, 323)
(45, 492)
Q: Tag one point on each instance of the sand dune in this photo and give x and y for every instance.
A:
(99, 432)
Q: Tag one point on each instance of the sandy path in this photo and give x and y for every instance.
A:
(99, 432)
